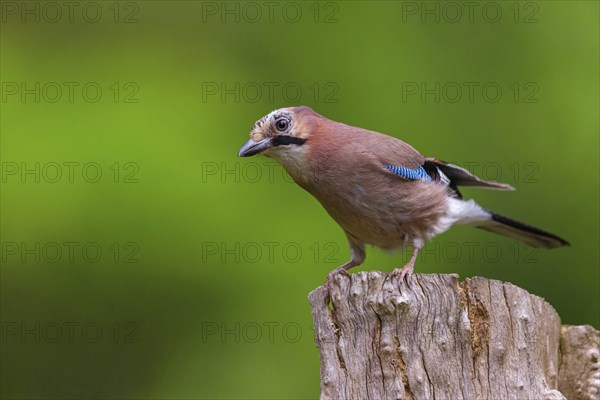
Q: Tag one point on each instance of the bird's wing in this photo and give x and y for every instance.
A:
(391, 151)
(401, 159)
(459, 176)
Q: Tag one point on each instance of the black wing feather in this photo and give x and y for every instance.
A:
(459, 176)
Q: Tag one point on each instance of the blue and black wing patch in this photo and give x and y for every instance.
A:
(411, 174)
(428, 172)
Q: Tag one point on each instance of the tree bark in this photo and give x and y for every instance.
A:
(579, 373)
(445, 339)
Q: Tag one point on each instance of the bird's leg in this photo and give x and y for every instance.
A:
(405, 273)
(357, 253)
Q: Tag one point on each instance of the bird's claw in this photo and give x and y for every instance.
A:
(401, 275)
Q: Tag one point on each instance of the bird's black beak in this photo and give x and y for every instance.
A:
(251, 147)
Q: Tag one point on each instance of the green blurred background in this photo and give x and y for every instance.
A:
(200, 287)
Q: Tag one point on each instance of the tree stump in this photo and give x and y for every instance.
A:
(445, 339)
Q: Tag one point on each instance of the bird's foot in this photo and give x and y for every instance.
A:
(329, 282)
(402, 275)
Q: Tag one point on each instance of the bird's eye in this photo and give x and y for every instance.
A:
(282, 125)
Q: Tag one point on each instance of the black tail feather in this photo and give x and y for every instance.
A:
(532, 236)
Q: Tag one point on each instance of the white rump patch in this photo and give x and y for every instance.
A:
(461, 212)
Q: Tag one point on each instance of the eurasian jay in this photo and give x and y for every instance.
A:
(380, 190)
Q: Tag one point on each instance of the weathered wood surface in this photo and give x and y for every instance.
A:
(445, 339)
(579, 373)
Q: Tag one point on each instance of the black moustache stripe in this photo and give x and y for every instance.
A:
(284, 140)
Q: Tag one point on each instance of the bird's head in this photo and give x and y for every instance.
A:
(283, 134)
